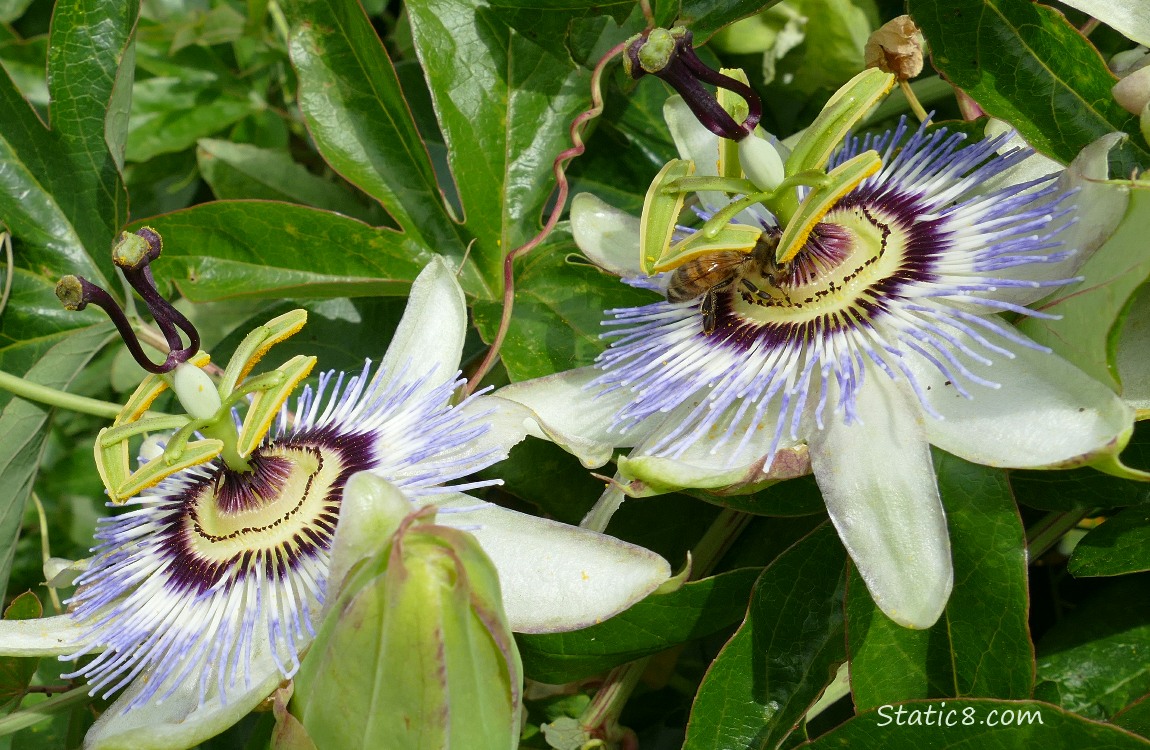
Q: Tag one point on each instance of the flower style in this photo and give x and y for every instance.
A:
(883, 336)
(201, 597)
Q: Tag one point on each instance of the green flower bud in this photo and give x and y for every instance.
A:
(415, 651)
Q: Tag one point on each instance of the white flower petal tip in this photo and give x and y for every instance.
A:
(643, 475)
(878, 482)
(181, 720)
(47, 636)
(1112, 464)
(608, 236)
(1047, 414)
(557, 577)
(428, 342)
(566, 409)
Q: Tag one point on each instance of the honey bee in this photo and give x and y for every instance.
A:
(716, 272)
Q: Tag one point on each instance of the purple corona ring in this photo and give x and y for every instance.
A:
(888, 332)
(214, 560)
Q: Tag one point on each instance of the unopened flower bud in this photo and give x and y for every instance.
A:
(896, 48)
(1133, 92)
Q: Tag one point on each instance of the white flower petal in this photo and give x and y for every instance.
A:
(697, 144)
(1131, 19)
(507, 422)
(1033, 167)
(879, 486)
(1100, 207)
(1047, 413)
(556, 577)
(607, 235)
(180, 721)
(428, 343)
(46, 636)
(572, 416)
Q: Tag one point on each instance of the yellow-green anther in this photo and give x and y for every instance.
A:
(741, 237)
(660, 213)
(821, 199)
(837, 118)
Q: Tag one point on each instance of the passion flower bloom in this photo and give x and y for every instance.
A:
(202, 596)
(886, 334)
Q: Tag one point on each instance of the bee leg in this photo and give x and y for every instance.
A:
(709, 306)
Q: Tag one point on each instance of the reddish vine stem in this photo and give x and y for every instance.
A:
(559, 169)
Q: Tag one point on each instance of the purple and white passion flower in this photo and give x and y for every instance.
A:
(886, 332)
(203, 594)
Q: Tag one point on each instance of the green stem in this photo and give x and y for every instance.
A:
(43, 710)
(53, 397)
(1045, 534)
(224, 430)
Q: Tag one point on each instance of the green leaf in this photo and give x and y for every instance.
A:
(705, 17)
(1024, 63)
(261, 249)
(783, 655)
(1091, 312)
(558, 313)
(15, 672)
(1093, 662)
(618, 9)
(355, 110)
(1135, 717)
(89, 64)
(29, 159)
(986, 613)
(22, 435)
(505, 105)
(659, 622)
(983, 724)
(170, 115)
(1120, 545)
(240, 170)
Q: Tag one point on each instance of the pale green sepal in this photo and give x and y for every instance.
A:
(660, 213)
(644, 476)
(417, 653)
(878, 481)
(47, 636)
(608, 236)
(1112, 464)
(179, 721)
(821, 199)
(838, 118)
(370, 512)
